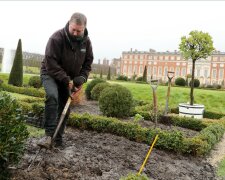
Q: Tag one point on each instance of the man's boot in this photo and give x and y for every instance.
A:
(45, 142)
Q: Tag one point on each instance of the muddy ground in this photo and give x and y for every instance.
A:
(89, 155)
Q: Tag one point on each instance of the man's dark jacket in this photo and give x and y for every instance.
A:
(66, 57)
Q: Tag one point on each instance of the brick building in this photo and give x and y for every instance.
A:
(208, 71)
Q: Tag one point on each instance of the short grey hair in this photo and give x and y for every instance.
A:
(79, 19)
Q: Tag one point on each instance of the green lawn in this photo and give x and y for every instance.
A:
(35, 132)
(26, 77)
(212, 99)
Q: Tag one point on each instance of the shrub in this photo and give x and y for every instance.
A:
(96, 91)
(13, 133)
(180, 81)
(91, 85)
(196, 83)
(212, 115)
(135, 176)
(122, 77)
(1, 81)
(139, 79)
(147, 111)
(116, 101)
(35, 82)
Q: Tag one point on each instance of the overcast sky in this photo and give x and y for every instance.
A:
(113, 26)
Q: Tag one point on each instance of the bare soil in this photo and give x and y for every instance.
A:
(89, 155)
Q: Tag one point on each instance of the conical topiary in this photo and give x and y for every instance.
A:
(109, 75)
(145, 74)
(16, 74)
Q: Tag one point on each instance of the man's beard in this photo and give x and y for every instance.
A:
(76, 38)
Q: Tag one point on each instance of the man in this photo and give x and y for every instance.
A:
(68, 56)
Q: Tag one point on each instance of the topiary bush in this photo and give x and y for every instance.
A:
(116, 101)
(35, 82)
(139, 78)
(180, 81)
(122, 77)
(196, 83)
(96, 91)
(91, 85)
(13, 134)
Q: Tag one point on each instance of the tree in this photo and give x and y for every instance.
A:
(101, 74)
(198, 45)
(109, 74)
(16, 74)
(145, 74)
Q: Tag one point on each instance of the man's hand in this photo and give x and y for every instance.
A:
(78, 81)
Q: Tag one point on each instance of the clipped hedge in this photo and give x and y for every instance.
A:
(207, 114)
(167, 140)
(205, 141)
(172, 141)
(23, 90)
(186, 122)
(212, 115)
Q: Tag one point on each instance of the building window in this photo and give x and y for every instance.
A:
(172, 69)
(160, 71)
(135, 69)
(141, 70)
(141, 56)
(177, 71)
(221, 72)
(214, 73)
(136, 57)
(183, 71)
(154, 70)
(206, 73)
(198, 72)
(215, 58)
(155, 57)
(165, 71)
(130, 69)
(125, 69)
(149, 70)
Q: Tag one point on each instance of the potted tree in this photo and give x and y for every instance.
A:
(198, 45)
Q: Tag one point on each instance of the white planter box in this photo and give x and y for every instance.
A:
(195, 111)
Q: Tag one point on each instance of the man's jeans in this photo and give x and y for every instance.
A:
(56, 97)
